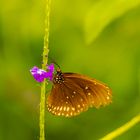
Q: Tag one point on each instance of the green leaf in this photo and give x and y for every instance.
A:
(103, 13)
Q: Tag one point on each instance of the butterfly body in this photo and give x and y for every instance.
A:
(58, 78)
(73, 93)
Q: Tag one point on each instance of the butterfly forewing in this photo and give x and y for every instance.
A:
(73, 93)
(96, 92)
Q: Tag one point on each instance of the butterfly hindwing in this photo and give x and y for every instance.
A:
(66, 100)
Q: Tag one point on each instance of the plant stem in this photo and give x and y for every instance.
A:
(122, 129)
(45, 61)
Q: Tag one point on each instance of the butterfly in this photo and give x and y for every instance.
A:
(73, 93)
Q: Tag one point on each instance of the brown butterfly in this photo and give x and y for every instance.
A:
(73, 93)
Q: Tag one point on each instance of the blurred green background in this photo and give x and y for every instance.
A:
(98, 38)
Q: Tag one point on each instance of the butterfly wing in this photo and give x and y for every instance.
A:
(96, 92)
(66, 100)
(76, 94)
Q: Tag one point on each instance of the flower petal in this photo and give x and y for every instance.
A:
(51, 67)
(39, 74)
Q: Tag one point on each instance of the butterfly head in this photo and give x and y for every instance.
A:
(58, 78)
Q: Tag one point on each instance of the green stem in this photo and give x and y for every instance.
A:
(45, 61)
(122, 129)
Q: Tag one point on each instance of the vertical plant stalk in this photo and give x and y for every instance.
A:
(45, 61)
(122, 129)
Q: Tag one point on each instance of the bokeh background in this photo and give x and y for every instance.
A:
(98, 38)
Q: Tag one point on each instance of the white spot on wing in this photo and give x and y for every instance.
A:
(108, 97)
(89, 93)
(68, 108)
(60, 108)
(64, 108)
(108, 92)
(78, 111)
(67, 115)
(73, 108)
(78, 106)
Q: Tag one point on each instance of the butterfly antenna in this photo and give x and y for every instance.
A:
(56, 64)
(53, 61)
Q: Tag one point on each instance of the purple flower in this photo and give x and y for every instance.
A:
(51, 67)
(39, 74)
(50, 71)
